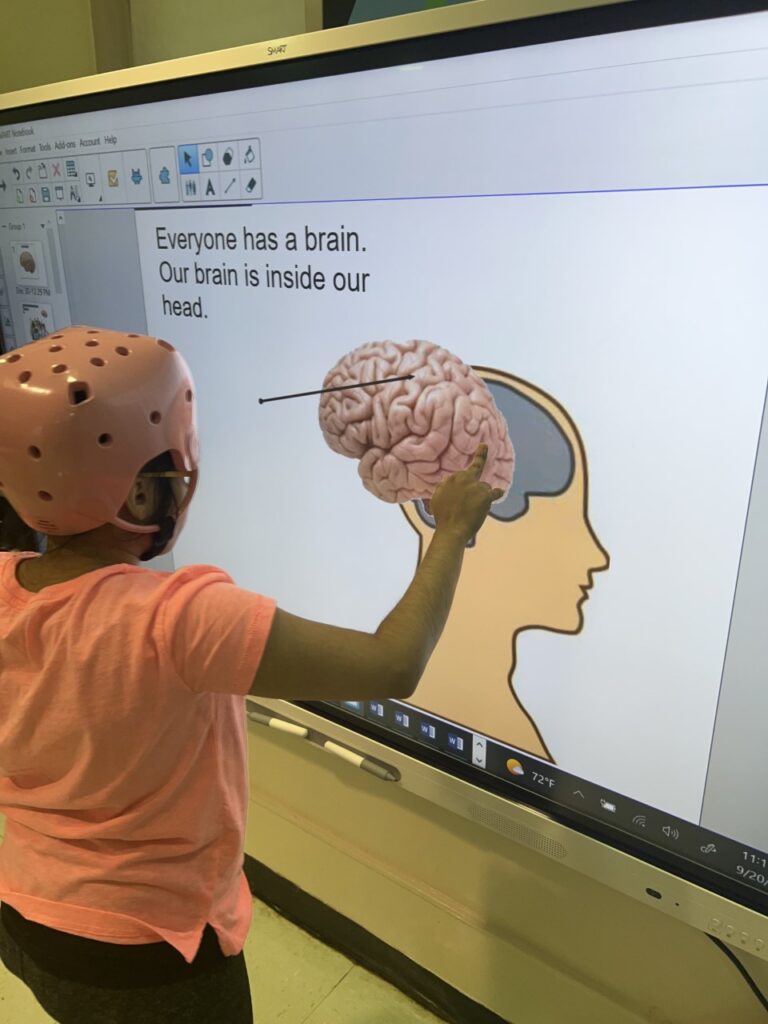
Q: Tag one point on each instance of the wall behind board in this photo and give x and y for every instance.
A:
(45, 42)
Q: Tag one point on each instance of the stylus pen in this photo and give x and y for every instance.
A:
(358, 761)
(333, 748)
(279, 724)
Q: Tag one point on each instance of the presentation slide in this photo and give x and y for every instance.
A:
(595, 341)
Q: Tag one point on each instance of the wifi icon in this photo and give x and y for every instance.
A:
(640, 820)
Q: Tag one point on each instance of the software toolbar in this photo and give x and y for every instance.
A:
(198, 172)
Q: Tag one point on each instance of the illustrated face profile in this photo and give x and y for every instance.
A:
(533, 562)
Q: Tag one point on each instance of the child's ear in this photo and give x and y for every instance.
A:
(141, 499)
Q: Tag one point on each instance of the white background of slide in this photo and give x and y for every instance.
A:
(642, 313)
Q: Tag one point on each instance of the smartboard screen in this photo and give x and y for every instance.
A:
(555, 232)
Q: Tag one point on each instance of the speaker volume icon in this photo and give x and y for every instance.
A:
(670, 832)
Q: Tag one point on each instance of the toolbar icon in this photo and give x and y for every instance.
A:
(45, 194)
(208, 156)
(90, 179)
(113, 179)
(56, 168)
(514, 767)
(164, 176)
(188, 160)
(607, 805)
(479, 750)
(671, 832)
(136, 176)
(71, 169)
(640, 820)
(42, 170)
(708, 848)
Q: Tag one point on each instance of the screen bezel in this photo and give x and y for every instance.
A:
(450, 32)
(484, 27)
(613, 836)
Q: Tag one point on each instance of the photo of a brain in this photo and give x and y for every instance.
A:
(27, 261)
(409, 435)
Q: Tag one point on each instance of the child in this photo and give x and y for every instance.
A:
(123, 745)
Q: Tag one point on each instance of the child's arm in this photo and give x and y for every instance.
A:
(306, 660)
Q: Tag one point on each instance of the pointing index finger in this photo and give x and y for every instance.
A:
(479, 460)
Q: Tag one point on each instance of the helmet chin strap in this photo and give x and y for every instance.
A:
(160, 538)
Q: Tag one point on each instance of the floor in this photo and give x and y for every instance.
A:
(299, 981)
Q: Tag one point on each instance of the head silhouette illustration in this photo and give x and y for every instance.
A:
(530, 567)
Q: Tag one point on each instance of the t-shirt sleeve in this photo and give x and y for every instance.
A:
(213, 632)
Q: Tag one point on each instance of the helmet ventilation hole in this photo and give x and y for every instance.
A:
(155, 417)
(98, 362)
(24, 377)
(14, 358)
(44, 496)
(105, 440)
(166, 344)
(55, 348)
(79, 392)
(91, 343)
(133, 335)
(60, 368)
(92, 331)
(122, 350)
(54, 336)
(188, 395)
(34, 451)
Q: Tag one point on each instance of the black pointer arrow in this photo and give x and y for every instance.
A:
(343, 387)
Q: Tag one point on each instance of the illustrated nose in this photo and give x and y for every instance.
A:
(598, 558)
(601, 558)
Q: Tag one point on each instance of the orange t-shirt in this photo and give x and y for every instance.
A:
(123, 752)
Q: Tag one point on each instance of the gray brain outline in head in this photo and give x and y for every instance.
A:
(409, 435)
(544, 460)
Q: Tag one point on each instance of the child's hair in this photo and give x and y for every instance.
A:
(15, 535)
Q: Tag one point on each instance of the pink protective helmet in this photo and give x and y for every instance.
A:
(81, 412)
